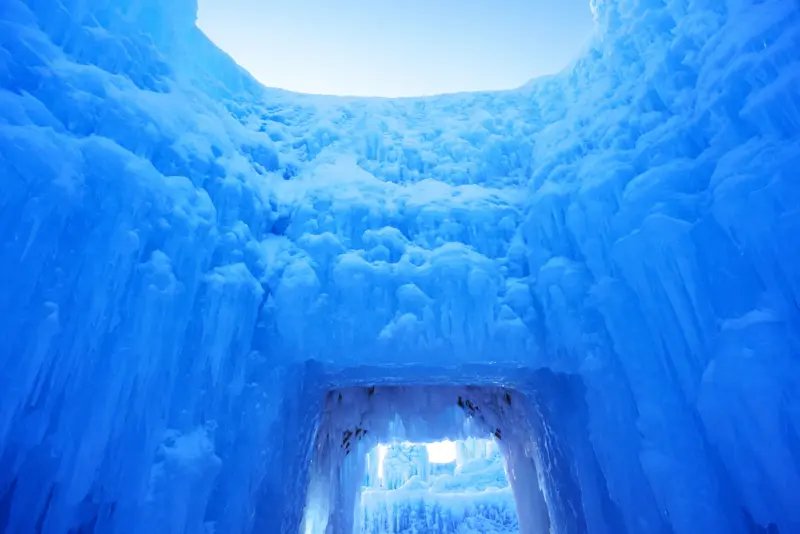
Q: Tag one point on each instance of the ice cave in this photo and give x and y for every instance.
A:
(218, 299)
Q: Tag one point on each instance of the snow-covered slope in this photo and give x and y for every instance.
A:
(189, 261)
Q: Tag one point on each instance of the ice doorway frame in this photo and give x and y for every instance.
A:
(558, 444)
(357, 418)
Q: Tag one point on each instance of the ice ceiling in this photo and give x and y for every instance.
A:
(193, 264)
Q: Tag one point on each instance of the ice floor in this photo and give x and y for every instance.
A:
(193, 266)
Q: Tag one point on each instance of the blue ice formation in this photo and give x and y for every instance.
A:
(469, 495)
(400, 463)
(191, 261)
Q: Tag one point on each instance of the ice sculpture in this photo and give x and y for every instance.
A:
(192, 263)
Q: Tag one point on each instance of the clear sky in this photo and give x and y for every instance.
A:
(397, 47)
(442, 452)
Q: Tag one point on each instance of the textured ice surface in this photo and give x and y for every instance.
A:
(412, 494)
(422, 512)
(408, 492)
(189, 261)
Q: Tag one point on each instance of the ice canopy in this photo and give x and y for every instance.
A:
(193, 264)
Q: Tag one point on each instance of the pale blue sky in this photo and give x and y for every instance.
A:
(397, 47)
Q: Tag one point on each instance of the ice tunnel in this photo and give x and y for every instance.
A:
(195, 267)
(446, 486)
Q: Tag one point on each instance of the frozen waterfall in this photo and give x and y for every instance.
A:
(217, 298)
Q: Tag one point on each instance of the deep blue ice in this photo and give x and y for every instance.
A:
(190, 261)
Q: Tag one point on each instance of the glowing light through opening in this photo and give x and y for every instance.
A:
(381, 455)
(441, 452)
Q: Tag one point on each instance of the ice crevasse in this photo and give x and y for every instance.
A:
(191, 261)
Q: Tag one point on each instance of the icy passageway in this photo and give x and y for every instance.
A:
(191, 263)
(403, 495)
(415, 488)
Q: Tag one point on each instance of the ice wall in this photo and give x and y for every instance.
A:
(190, 260)
(127, 388)
(403, 462)
(660, 239)
(488, 512)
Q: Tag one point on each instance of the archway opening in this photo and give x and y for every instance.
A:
(441, 486)
(371, 469)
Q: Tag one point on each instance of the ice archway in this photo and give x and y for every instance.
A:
(190, 262)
